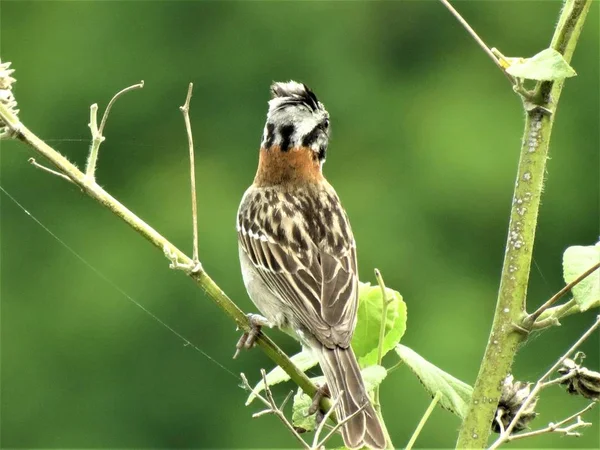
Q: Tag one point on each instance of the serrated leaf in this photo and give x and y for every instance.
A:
(366, 335)
(303, 360)
(300, 416)
(455, 394)
(547, 65)
(372, 376)
(576, 260)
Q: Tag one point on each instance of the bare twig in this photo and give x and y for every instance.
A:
(475, 36)
(185, 109)
(139, 85)
(423, 420)
(272, 407)
(97, 136)
(531, 318)
(316, 444)
(34, 163)
(556, 427)
(339, 425)
(499, 414)
(542, 383)
(201, 278)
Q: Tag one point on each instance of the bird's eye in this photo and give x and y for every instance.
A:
(326, 124)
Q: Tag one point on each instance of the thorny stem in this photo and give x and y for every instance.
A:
(530, 320)
(542, 383)
(185, 109)
(423, 420)
(510, 310)
(214, 292)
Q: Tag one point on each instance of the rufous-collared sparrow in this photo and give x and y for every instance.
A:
(298, 254)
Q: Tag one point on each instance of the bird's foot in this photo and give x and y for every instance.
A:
(248, 339)
(315, 407)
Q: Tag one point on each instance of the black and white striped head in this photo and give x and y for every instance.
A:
(296, 119)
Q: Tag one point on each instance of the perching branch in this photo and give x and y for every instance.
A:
(214, 292)
(505, 335)
(543, 383)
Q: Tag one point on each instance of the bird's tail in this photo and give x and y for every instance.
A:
(342, 373)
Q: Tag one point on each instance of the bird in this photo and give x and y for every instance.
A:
(298, 254)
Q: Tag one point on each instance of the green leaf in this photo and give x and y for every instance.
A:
(576, 260)
(547, 65)
(366, 335)
(455, 395)
(303, 360)
(372, 376)
(300, 416)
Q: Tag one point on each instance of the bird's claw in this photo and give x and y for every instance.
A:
(248, 339)
(315, 406)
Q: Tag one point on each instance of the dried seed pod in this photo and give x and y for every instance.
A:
(6, 95)
(582, 381)
(512, 397)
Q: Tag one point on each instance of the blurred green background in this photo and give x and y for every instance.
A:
(426, 135)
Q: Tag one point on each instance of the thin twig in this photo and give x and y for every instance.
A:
(475, 36)
(554, 314)
(202, 279)
(326, 417)
(542, 383)
(531, 318)
(423, 420)
(384, 308)
(272, 407)
(338, 425)
(97, 136)
(139, 85)
(185, 109)
(555, 427)
(34, 163)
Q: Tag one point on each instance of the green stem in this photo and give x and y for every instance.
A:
(89, 187)
(510, 307)
(547, 318)
(423, 420)
(384, 308)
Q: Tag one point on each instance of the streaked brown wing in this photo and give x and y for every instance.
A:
(317, 282)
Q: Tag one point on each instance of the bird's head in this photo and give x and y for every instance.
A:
(296, 119)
